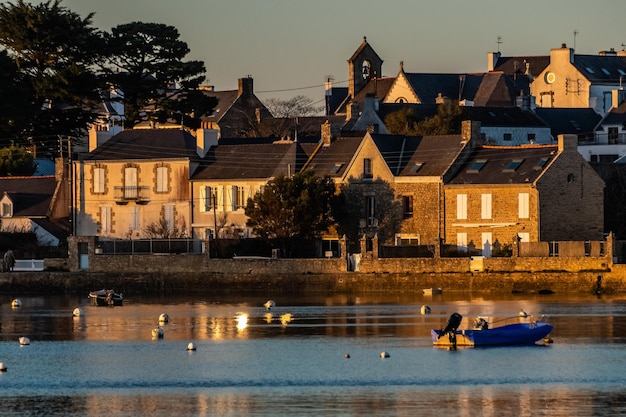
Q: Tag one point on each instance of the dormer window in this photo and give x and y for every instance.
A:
(7, 209)
(6, 206)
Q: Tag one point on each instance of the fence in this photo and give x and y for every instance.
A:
(148, 246)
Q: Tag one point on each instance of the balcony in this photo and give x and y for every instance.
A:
(126, 194)
(602, 139)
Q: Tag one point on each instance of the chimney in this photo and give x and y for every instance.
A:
(246, 87)
(352, 111)
(327, 133)
(492, 60)
(568, 143)
(205, 138)
(617, 98)
(562, 54)
(470, 131)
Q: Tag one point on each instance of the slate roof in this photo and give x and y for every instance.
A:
(496, 168)
(375, 87)
(565, 121)
(225, 100)
(516, 65)
(601, 68)
(616, 115)
(425, 156)
(497, 89)
(253, 160)
(333, 160)
(147, 144)
(502, 117)
(31, 196)
(429, 86)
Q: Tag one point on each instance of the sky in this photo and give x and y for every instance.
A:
(289, 47)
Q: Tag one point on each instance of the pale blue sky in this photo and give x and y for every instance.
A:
(293, 44)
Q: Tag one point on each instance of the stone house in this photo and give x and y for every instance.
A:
(138, 178)
(532, 192)
(238, 112)
(232, 172)
(414, 167)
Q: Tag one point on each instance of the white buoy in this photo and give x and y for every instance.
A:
(78, 312)
(384, 354)
(191, 346)
(164, 318)
(24, 341)
(425, 309)
(158, 332)
(269, 304)
(16, 303)
(2, 367)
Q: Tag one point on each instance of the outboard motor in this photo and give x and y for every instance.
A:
(453, 323)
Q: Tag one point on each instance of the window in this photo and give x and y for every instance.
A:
(461, 242)
(416, 167)
(507, 137)
(207, 199)
(105, 219)
(461, 206)
(98, 180)
(513, 165)
(237, 197)
(162, 179)
(130, 183)
(487, 244)
(407, 240)
(367, 168)
(524, 237)
(7, 209)
(134, 218)
(370, 210)
(407, 205)
(168, 215)
(531, 137)
(476, 166)
(523, 202)
(485, 206)
(541, 163)
(335, 169)
(613, 135)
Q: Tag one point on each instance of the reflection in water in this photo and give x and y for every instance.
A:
(291, 361)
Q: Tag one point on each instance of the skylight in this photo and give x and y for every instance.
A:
(476, 166)
(621, 71)
(606, 71)
(335, 169)
(513, 165)
(417, 166)
(575, 124)
(589, 70)
(541, 163)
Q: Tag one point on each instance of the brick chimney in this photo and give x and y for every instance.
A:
(246, 87)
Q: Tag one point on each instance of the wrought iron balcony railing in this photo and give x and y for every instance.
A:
(125, 194)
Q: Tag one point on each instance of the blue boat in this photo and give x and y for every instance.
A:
(525, 333)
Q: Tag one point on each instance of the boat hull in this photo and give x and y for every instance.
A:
(512, 334)
(104, 298)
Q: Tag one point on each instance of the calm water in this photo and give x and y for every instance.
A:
(249, 362)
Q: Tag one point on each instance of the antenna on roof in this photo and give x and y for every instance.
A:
(499, 41)
(575, 33)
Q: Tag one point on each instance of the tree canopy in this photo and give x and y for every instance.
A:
(291, 209)
(447, 121)
(367, 209)
(53, 50)
(16, 161)
(145, 60)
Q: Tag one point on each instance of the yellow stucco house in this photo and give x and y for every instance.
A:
(137, 179)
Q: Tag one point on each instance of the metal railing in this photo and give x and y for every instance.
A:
(131, 193)
(148, 246)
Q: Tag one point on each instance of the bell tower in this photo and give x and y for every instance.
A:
(363, 65)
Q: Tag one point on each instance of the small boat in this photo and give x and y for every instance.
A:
(431, 291)
(521, 333)
(105, 298)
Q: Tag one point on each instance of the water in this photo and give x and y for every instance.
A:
(248, 362)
